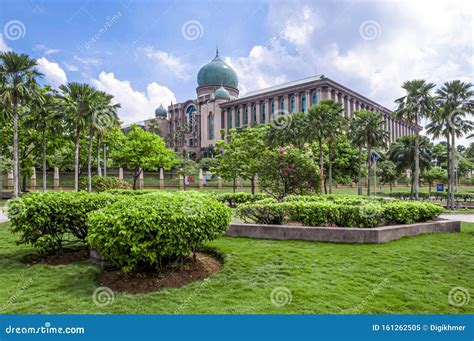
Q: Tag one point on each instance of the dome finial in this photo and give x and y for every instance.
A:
(217, 49)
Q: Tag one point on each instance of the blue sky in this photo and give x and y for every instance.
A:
(149, 52)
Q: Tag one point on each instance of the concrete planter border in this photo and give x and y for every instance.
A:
(374, 235)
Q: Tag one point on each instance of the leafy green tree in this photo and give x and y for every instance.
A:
(433, 175)
(289, 129)
(288, 170)
(241, 155)
(18, 75)
(387, 173)
(412, 107)
(402, 152)
(142, 150)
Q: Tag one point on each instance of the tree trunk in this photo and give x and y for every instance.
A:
(321, 166)
(368, 170)
(16, 174)
(1, 169)
(390, 187)
(44, 160)
(416, 177)
(99, 169)
(89, 163)
(448, 145)
(252, 185)
(451, 177)
(105, 159)
(330, 169)
(359, 173)
(234, 185)
(429, 188)
(76, 159)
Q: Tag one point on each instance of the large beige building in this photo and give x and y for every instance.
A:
(194, 125)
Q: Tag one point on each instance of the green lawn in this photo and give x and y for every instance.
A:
(411, 275)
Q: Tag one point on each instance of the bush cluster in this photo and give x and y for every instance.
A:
(234, 199)
(338, 211)
(47, 220)
(150, 230)
(103, 183)
(466, 197)
(128, 228)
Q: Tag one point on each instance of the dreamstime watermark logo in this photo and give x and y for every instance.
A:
(192, 30)
(109, 22)
(456, 119)
(14, 298)
(14, 30)
(369, 297)
(458, 296)
(280, 296)
(191, 297)
(370, 30)
(103, 296)
(369, 211)
(103, 119)
(282, 121)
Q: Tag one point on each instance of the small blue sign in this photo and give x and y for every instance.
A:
(440, 187)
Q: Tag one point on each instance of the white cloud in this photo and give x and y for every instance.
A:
(53, 73)
(46, 51)
(88, 61)
(70, 67)
(264, 66)
(180, 69)
(299, 27)
(136, 105)
(3, 45)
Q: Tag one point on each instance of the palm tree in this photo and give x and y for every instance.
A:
(44, 110)
(324, 119)
(356, 134)
(289, 129)
(367, 130)
(18, 75)
(402, 152)
(455, 100)
(416, 104)
(78, 101)
(103, 116)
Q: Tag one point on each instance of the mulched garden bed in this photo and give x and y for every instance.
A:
(138, 282)
(61, 258)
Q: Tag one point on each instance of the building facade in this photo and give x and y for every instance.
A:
(194, 125)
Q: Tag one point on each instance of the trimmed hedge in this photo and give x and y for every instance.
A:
(150, 230)
(350, 213)
(234, 199)
(47, 220)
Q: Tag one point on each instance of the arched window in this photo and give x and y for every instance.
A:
(238, 118)
(210, 125)
(246, 118)
(315, 97)
(273, 109)
(231, 118)
(264, 114)
(303, 102)
(190, 112)
(292, 104)
(282, 106)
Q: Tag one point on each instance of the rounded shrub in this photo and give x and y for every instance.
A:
(103, 183)
(150, 230)
(47, 220)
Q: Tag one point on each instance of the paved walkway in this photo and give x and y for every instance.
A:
(468, 218)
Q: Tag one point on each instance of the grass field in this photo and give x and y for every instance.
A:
(411, 275)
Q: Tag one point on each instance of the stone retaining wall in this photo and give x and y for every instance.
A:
(341, 234)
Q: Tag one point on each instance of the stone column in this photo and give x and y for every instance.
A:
(297, 102)
(141, 181)
(287, 103)
(10, 179)
(238, 182)
(56, 178)
(200, 178)
(120, 175)
(162, 179)
(219, 182)
(259, 109)
(33, 179)
(181, 186)
(256, 183)
(346, 107)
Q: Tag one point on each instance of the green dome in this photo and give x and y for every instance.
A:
(217, 73)
(161, 112)
(221, 93)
